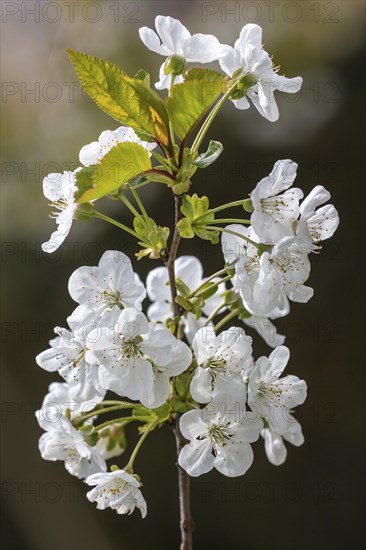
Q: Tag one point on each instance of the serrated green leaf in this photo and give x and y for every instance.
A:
(122, 163)
(144, 76)
(128, 100)
(215, 148)
(189, 101)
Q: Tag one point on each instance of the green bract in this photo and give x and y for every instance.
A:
(197, 214)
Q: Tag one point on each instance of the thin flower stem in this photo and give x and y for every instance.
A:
(222, 207)
(129, 205)
(148, 429)
(140, 205)
(122, 420)
(121, 405)
(206, 125)
(213, 276)
(225, 230)
(117, 224)
(216, 283)
(228, 220)
(215, 313)
(226, 319)
(171, 129)
(172, 256)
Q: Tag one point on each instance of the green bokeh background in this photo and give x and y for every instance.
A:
(314, 501)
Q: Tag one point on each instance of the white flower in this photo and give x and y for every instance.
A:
(317, 224)
(189, 270)
(64, 442)
(266, 390)
(67, 356)
(107, 288)
(133, 354)
(60, 189)
(263, 279)
(256, 277)
(276, 206)
(181, 360)
(177, 40)
(274, 435)
(249, 56)
(55, 404)
(94, 152)
(220, 438)
(220, 360)
(117, 490)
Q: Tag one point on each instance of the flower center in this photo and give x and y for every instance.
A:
(218, 435)
(273, 389)
(131, 347)
(111, 298)
(60, 204)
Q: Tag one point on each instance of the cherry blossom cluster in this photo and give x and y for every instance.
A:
(179, 364)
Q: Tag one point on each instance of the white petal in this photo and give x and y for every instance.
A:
(156, 284)
(151, 41)
(201, 386)
(251, 34)
(203, 48)
(234, 459)
(278, 359)
(191, 424)
(196, 458)
(172, 33)
(275, 449)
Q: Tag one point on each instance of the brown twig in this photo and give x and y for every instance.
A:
(186, 521)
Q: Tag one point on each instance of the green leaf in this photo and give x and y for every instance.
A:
(128, 100)
(182, 288)
(215, 148)
(144, 76)
(206, 75)
(189, 101)
(84, 180)
(122, 163)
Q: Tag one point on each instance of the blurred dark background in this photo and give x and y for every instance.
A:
(315, 501)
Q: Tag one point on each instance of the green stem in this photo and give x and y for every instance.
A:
(226, 319)
(117, 224)
(215, 312)
(228, 220)
(148, 429)
(140, 205)
(206, 125)
(210, 278)
(225, 230)
(120, 406)
(215, 283)
(222, 207)
(122, 420)
(129, 205)
(171, 130)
